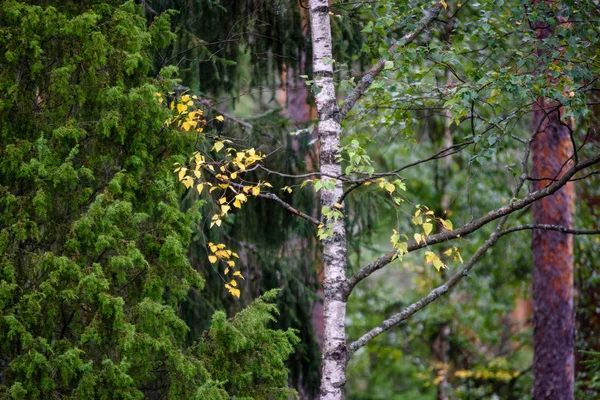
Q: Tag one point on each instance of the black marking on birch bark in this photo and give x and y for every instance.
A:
(328, 157)
(323, 9)
(326, 133)
(335, 292)
(323, 73)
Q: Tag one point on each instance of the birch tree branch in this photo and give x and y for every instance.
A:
(547, 227)
(472, 226)
(210, 104)
(368, 78)
(448, 151)
(443, 289)
(206, 102)
(275, 198)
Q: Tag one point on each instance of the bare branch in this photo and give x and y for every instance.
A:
(547, 227)
(368, 78)
(273, 196)
(472, 226)
(206, 102)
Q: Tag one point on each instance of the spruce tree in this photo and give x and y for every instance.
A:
(93, 241)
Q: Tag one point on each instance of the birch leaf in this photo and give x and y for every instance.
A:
(427, 227)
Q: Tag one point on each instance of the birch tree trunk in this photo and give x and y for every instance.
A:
(334, 359)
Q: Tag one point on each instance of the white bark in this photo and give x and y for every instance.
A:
(334, 359)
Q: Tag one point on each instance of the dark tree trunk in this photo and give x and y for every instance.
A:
(553, 336)
(553, 332)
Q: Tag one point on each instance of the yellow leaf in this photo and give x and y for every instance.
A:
(267, 184)
(417, 212)
(367, 183)
(172, 105)
(188, 182)
(447, 224)
(186, 126)
(256, 190)
(181, 108)
(222, 200)
(233, 283)
(238, 273)
(219, 118)
(226, 271)
(235, 292)
(418, 237)
(218, 146)
(212, 259)
(233, 175)
(390, 187)
(438, 264)
(199, 187)
(224, 209)
(448, 252)
(444, 4)
(427, 227)
(237, 204)
(430, 256)
(231, 263)
(215, 221)
(213, 247)
(182, 172)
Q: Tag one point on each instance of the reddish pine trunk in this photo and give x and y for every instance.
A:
(553, 336)
(554, 325)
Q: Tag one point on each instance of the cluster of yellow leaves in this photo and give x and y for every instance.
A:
(392, 188)
(424, 217)
(431, 257)
(225, 170)
(401, 247)
(454, 253)
(186, 116)
(485, 374)
(220, 253)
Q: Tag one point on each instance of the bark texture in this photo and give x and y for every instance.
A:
(334, 358)
(553, 336)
